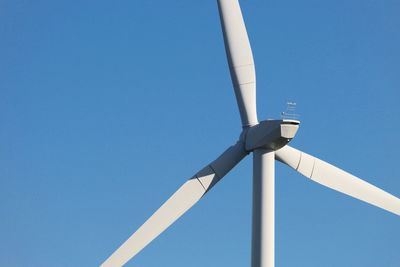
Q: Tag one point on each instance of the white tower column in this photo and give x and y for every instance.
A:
(263, 229)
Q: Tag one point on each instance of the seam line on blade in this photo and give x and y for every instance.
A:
(241, 66)
(201, 183)
(216, 174)
(246, 83)
(313, 167)
(298, 164)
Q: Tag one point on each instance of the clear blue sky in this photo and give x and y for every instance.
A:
(107, 107)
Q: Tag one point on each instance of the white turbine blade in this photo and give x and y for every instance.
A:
(240, 59)
(337, 179)
(181, 201)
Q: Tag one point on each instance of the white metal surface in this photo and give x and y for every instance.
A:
(270, 134)
(263, 230)
(337, 179)
(182, 200)
(240, 59)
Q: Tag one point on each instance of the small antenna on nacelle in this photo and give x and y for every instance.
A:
(290, 112)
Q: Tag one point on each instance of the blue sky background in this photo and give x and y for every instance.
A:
(107, 107)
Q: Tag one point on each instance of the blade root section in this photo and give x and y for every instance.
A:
(180, 202)
(337, 179)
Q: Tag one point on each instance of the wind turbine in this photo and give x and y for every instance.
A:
(267, 140)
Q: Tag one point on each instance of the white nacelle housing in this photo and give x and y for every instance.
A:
(271, 134)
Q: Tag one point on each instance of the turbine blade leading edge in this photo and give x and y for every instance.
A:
(337, 179)
(240, 59)
(180, 202)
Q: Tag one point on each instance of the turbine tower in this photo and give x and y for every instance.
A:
(268, 141)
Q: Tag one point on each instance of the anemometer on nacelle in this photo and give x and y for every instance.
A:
(290, 112)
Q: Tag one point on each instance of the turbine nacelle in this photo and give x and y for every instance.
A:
(270, 134)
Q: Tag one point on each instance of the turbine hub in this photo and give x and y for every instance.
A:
(270, 134)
